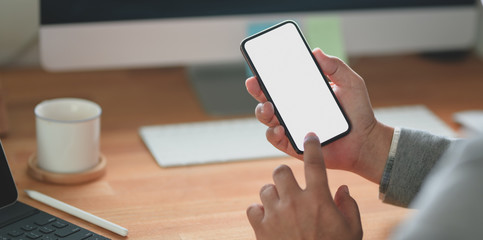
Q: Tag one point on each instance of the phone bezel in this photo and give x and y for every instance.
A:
(265, 91)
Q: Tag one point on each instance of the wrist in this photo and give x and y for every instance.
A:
(374, 153)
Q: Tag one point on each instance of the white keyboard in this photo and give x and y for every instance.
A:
(244, 139)
(208, 142)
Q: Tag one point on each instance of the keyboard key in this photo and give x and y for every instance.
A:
(87, 235)
(59, 224)
(45, 221)
(46, 230)
(28, 227)
(15, 233)
(49, 238)
(33, 235)
(64, 232)
(96, 237)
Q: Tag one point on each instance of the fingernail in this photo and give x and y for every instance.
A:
(311, 136)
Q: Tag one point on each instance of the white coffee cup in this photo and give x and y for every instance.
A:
(68, 135)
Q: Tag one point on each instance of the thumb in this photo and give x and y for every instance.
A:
(348, 207)
(334, 68)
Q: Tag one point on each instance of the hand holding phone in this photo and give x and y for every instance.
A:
(292, 80)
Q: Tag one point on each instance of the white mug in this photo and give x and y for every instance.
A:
(68, 135)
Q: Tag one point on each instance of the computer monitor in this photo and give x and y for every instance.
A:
(204, 36)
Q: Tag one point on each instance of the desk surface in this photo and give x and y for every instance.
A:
(209, 201)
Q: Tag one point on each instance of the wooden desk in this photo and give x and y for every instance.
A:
(204, 202)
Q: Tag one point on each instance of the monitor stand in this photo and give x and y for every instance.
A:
(221, 88)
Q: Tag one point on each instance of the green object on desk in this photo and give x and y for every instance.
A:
(325, 32)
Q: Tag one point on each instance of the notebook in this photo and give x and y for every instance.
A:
(21, 221)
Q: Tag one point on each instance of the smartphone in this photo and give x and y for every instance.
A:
(292, 80)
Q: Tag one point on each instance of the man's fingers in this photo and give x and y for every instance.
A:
(348, 207)
(254, 89)
(315, 171)
(255, 214)
(269, 195)
(285, 181)
(265, 113)
(276, 136)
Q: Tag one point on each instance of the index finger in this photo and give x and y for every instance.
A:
(314, 166)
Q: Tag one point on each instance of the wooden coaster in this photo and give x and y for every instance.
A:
(66, 178)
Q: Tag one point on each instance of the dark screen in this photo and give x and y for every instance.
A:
(77, 11)
(8, 190)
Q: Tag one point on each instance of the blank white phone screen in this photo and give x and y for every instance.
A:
(295, 85)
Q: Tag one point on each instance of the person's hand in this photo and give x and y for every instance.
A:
(364, 150)
(289, 212)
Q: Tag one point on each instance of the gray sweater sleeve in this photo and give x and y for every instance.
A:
(411, 158)
(449, 203)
